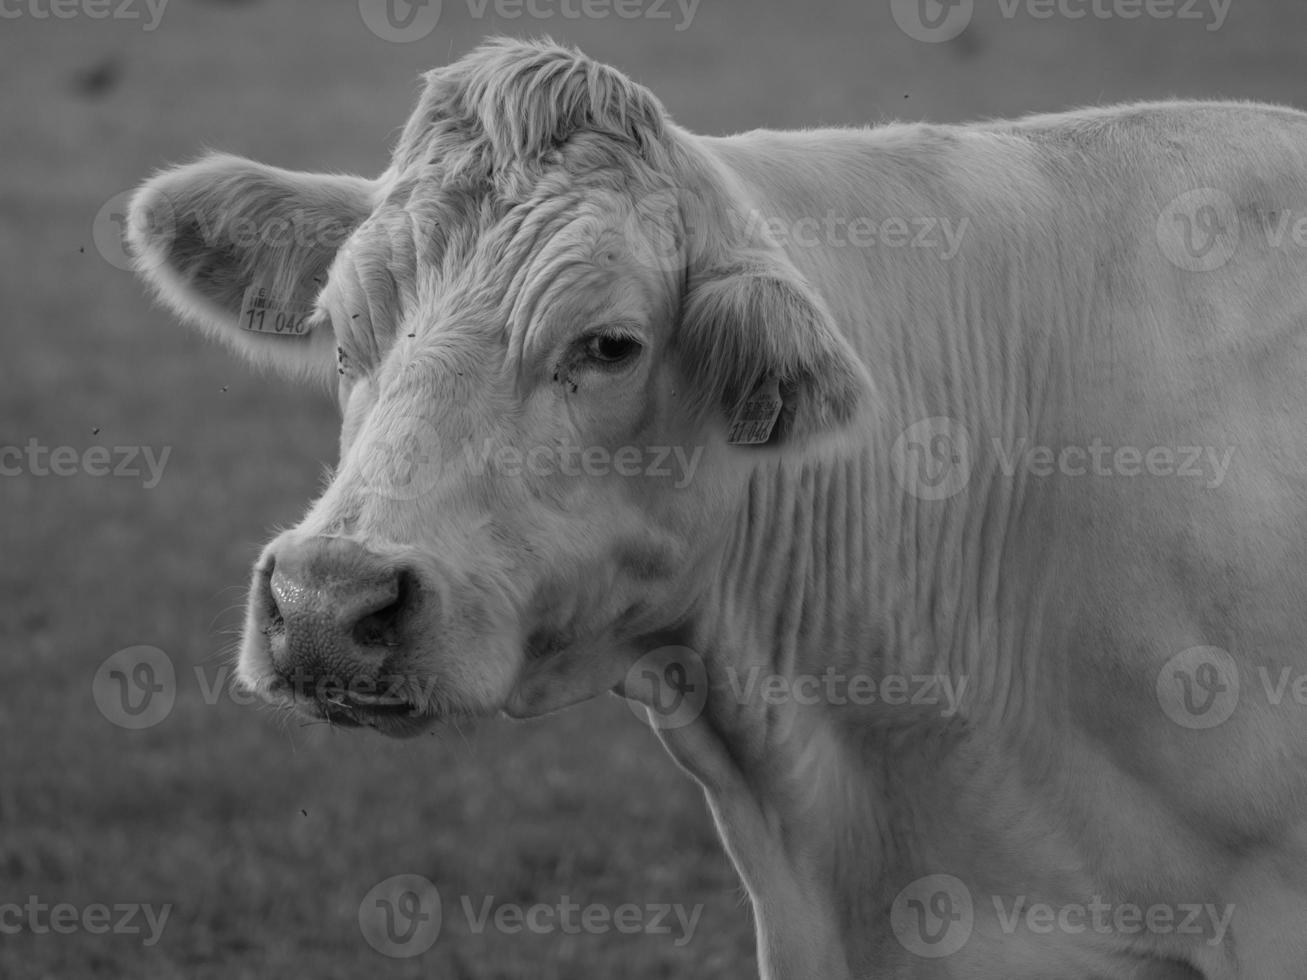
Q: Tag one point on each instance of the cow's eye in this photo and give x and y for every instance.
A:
(611, 348)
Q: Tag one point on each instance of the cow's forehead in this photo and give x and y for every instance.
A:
(514, 178)
(464, 259)
(500, 112)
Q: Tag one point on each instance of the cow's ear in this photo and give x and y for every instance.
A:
(241, 249)
(758, 329)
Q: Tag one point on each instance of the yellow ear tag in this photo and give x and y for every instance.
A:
(755, 419)
(260, 313)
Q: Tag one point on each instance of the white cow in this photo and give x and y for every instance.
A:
(942, 490)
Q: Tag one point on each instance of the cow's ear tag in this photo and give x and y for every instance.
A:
(755, 419)
(263, 313)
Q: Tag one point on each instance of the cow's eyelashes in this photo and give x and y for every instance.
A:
(609, 349)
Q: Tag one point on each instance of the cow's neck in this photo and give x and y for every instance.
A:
(838, 584)
(822, 632)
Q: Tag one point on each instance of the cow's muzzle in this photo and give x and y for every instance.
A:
(336, 617)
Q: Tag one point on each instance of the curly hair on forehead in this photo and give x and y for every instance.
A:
(500, 112)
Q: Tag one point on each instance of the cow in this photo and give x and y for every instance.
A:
(939, 493)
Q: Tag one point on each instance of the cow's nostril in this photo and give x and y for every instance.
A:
(269, 612)
(381, 627)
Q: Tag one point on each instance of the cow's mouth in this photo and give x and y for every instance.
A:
(390, 714)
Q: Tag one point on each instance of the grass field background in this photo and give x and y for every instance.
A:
(262, 834)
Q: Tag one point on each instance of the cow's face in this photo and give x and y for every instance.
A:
(536, 390)
(519, 469)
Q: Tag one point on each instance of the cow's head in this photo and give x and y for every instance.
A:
(543, 319)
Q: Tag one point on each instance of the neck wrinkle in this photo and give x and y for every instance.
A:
(832, 561)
